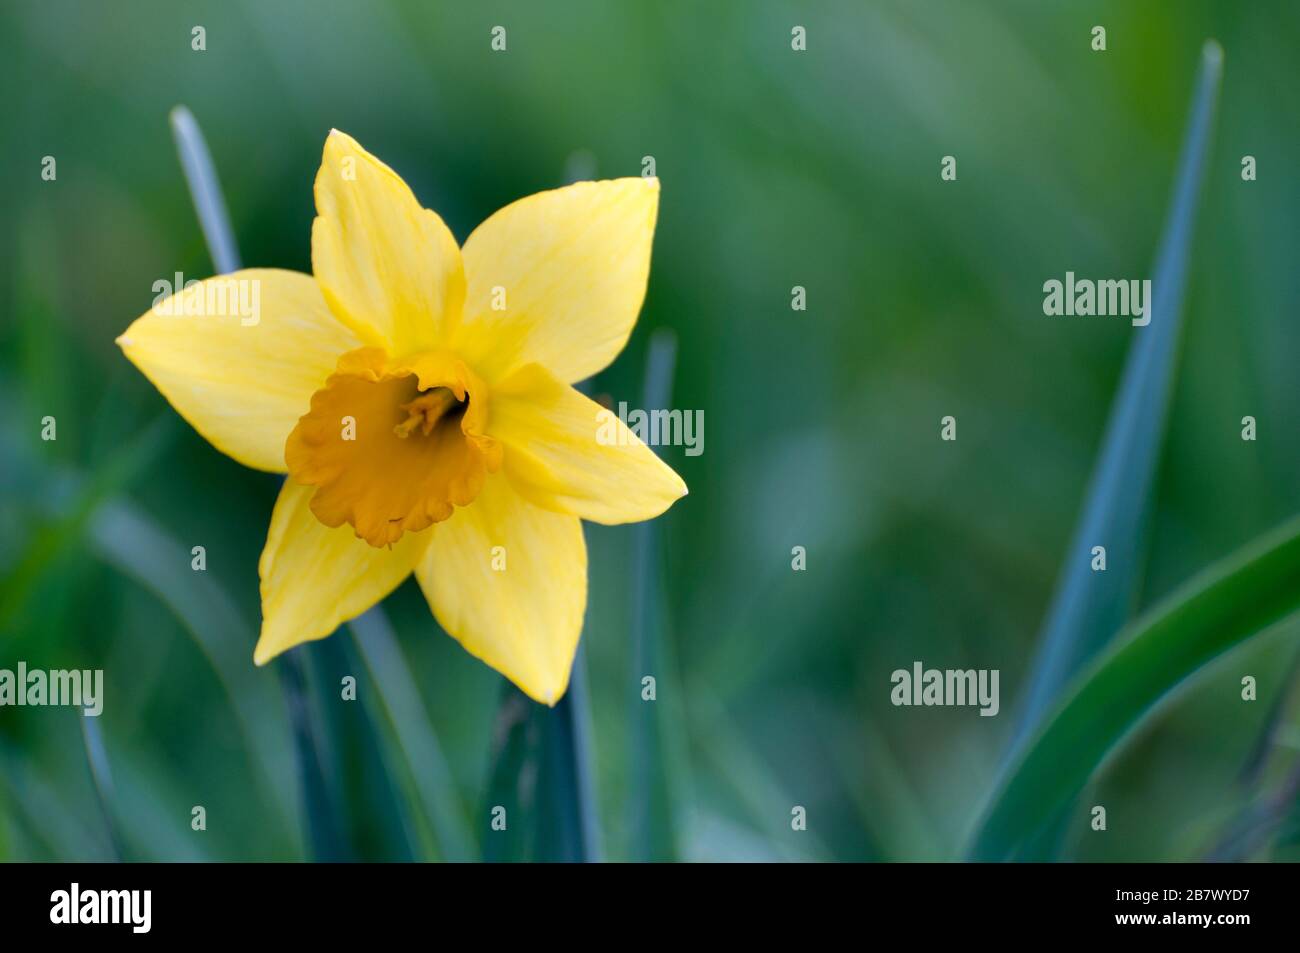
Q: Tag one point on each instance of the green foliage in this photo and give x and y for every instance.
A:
(1226, 605)
(818, 169)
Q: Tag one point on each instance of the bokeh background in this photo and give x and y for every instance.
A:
(818, 169)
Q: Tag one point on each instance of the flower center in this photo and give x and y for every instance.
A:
(393, 447)
(426, 410)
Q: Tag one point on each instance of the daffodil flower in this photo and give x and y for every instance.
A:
(418, 395)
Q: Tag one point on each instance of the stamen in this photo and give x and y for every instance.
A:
(425, 411)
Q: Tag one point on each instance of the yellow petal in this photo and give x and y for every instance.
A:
(315, 578)
(518, 608)
(389, 268)
(567, 453)
(558, 278)
(239, 357)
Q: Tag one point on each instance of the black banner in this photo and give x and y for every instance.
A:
(219, 902)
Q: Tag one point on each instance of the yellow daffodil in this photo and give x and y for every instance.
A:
(420, 393)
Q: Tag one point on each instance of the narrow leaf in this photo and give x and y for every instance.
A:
(205, 190)
(416, 738)
(379, 811)
(652, 827)
(509, 816)
(1223, 607)
(1089, 607)
(102, 777)
(539, 776)
(572, 831)
(322, 802)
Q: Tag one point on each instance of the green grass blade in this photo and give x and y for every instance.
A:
(1090, 607)
(538, 776)
(512, 780)
(205, 190)
(102, 778)
(1221, 608)
(381, 811)
(651, 824)
(322, 800)
(573, 831)
(416, 738)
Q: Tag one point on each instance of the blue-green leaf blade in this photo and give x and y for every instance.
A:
(1090, 607)
(1224, 606)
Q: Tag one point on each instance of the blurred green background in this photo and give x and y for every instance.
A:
(818, 169)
